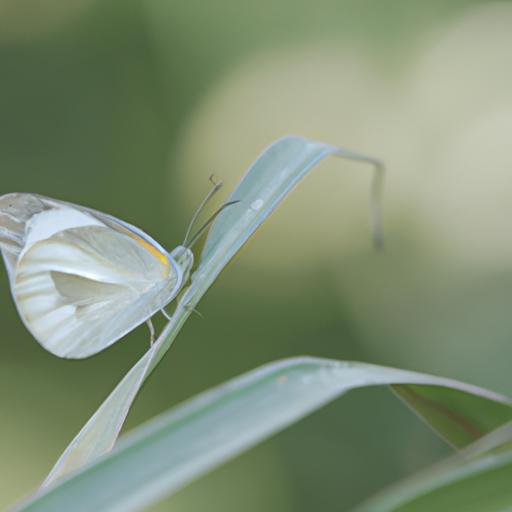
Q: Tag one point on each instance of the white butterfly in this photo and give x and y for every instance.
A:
(82, 279)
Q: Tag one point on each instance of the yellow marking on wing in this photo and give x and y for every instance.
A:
(153, 250)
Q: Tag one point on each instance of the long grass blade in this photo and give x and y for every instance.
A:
(172, 450)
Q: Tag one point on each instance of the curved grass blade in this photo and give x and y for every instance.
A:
(460, 418)
(483, 485)
(172, 450)
(499, 440)
(477, 479)
(272, 176)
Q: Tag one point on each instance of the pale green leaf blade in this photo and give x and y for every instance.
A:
(497, 441)
(272, 176)
(102, 429)
(482, 485)
(459, 417)
(178, 447)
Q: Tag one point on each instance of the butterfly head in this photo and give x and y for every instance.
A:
(184, 257)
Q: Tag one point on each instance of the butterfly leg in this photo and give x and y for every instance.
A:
(166, 314)
(196, 312)
(152, 332)
(190, 308)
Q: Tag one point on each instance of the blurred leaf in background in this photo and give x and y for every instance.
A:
(128, 107)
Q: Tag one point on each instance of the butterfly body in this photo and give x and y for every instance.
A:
(82, 279)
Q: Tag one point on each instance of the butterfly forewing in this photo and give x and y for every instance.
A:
(15, 210)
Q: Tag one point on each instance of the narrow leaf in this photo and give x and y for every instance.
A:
(483, 485)
(497, 441)
(183, 444)
(272, 176)
(460, 418)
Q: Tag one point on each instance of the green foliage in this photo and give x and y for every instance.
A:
(276, 172)
(180, 446)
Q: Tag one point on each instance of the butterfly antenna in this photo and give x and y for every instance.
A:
(216, 186)
(207, 224)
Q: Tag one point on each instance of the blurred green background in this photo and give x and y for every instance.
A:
(128, 107)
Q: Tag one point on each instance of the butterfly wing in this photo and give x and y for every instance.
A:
(78, 283)
(16, 210)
